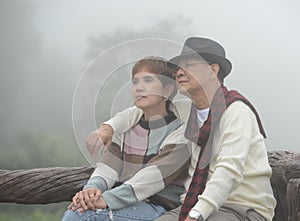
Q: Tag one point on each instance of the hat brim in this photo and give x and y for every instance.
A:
(224, 63)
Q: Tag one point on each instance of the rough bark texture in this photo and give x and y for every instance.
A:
(43, 185)
(293, 199)
(285, 183)
(51, 185)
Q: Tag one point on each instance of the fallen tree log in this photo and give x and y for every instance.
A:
(42, 185)
(285, 183)
(58, 184)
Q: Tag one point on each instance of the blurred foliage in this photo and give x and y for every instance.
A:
(36, 128)
(35, 123)
(16, 212)
(35, 114)
(41, 150)
(176, 29)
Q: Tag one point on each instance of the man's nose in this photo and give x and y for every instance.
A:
(180, 73)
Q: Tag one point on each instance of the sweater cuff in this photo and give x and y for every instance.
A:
(119, 197)
(205, 207)
(96, 182)
(110, 122)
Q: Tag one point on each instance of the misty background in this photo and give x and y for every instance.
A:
(46, 45)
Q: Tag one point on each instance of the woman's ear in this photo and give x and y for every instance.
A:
(168, 90)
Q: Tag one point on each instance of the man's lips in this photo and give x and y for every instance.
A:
(182, 82)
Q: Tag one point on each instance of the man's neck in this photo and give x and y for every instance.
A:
(203, 98)
(201, 102)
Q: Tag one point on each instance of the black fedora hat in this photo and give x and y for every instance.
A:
(208, 49)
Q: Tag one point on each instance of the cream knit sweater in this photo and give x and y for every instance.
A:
(239, 171)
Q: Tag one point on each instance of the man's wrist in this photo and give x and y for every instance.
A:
(195, 215)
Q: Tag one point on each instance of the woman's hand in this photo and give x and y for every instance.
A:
(103, 135)
(87, 199)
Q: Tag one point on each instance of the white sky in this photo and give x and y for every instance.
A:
(70, 22)
(261, 39)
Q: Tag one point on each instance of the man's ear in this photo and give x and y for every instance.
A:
(215, 70)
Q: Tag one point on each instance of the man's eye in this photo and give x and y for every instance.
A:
(134, 82)
(190, 64)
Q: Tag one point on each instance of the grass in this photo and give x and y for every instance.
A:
(14, 212)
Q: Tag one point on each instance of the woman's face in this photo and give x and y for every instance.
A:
(147, 91)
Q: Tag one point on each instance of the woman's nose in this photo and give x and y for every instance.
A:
(139, 87)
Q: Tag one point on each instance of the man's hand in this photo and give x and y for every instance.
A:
(87, 199)
(103, 135)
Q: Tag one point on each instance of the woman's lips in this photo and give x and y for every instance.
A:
(140, 97)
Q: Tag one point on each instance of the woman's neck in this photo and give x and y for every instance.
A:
(154, 113)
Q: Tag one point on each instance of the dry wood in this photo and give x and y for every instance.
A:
(58, 184)
(43, 185)
(286, 170)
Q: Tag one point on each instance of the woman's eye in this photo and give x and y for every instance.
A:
(147, 80)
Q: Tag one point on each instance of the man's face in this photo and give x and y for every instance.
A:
(192, 76)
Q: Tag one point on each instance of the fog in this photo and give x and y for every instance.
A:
(46, 45)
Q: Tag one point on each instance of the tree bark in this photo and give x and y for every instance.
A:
(285, 183)
(43, 185)
(58, 184)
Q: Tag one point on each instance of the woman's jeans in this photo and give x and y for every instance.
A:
(140, 211)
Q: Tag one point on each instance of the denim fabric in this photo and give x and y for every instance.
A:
(141, 211)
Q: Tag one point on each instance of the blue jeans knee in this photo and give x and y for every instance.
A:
(139, 212)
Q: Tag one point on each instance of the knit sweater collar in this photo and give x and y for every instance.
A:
(161, 122)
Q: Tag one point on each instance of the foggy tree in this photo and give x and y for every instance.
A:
(176, 29)
(37, 87)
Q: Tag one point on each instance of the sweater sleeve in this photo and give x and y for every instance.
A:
(235, 135)
(159, 172)
(125, 119)
(107, 170)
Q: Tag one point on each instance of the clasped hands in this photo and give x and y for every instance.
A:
(87, 199)
(91, 198)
